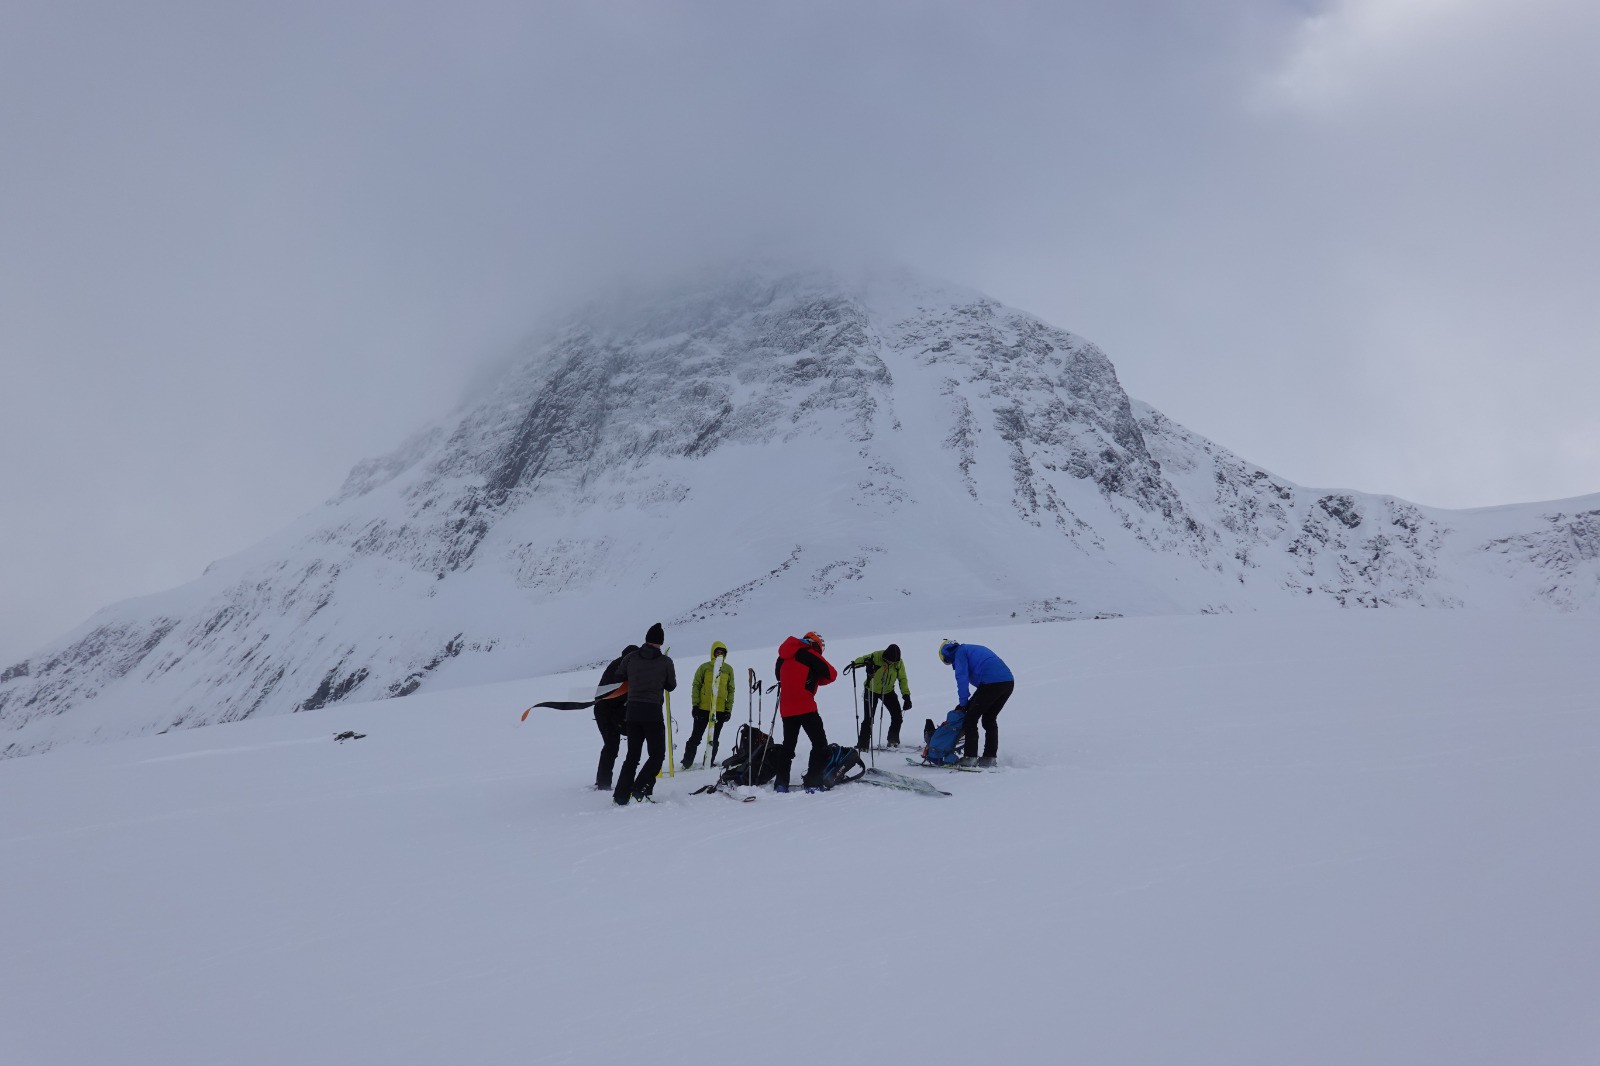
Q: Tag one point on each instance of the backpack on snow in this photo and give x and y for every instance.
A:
(944, 743)
(755, 760)
(844, 764)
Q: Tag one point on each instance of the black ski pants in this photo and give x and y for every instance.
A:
(891, 703)
(811, 723)
(644, 734)
(608, 718)
(985, 705)
(701, 718)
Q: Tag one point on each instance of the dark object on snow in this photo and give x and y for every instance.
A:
(348, 734)
(843, 765)
(755, 760)
(721, 789)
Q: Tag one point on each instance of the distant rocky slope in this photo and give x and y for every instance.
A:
(761, 452)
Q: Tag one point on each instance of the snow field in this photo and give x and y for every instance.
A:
(1360, 837)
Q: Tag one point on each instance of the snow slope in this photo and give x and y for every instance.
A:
(1337, 837)
(863, 451)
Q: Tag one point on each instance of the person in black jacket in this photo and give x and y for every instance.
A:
(608, 718)
(650, 676)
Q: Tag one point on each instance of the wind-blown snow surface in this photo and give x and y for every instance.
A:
(858, 452)
(1361, 837)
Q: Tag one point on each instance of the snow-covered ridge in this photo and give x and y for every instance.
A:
(766, 452)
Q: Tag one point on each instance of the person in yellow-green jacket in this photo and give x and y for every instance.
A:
(713, 698)
(884, 671)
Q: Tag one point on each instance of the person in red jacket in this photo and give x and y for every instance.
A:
(801, 668)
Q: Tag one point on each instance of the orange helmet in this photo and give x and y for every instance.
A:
(814, 639)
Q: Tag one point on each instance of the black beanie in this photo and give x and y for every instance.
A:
(891, 654)
(655, 635)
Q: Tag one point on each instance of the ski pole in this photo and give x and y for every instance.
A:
(872, 707)
(875, 723)
(773, 728)
(855, 706)
(672, 759)
(883, 730)
(750, 735)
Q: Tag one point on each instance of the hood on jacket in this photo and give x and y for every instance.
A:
(715, 646)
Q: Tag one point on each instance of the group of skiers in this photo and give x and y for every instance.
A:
(637, 682)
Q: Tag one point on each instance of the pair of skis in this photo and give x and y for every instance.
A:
(957, 767)
(603, 692)
(873, 776)
(722, 790)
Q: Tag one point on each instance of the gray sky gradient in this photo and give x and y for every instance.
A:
(244, 245)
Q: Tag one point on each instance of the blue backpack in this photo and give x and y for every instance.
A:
(943, 741)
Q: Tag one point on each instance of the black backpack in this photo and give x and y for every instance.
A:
(755, 760)
(844, 764)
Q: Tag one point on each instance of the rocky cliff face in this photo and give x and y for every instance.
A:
(760, 453)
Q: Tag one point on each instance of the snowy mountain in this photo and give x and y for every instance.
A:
(763, 452)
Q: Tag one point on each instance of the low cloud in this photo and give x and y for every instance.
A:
(245, 245)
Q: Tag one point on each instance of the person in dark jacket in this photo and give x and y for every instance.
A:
(983, 668)
(650, 676)
(800, 669)
(608, 717)
(884, 668)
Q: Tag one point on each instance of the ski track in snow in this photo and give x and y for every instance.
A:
(1324, 839)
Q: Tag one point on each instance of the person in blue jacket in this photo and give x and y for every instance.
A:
(992, 681)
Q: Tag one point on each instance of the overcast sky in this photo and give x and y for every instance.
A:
(244, 245)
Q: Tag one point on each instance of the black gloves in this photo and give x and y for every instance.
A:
(908, 702)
